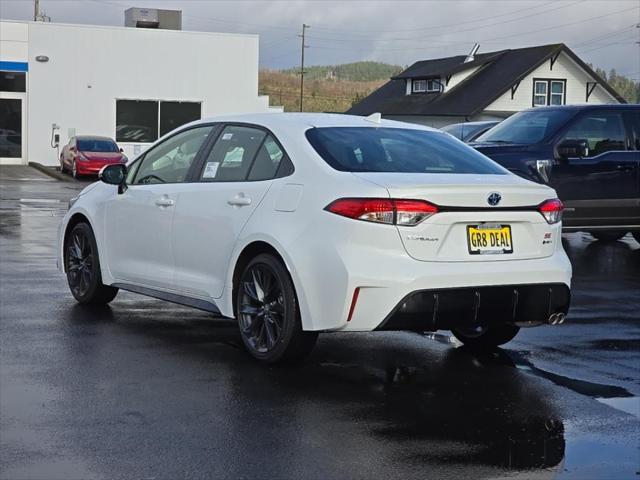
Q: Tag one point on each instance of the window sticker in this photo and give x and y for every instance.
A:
(210, 170)
(227, 136)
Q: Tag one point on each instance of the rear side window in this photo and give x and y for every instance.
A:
(603, 132)
(267, 160)
(368, 149)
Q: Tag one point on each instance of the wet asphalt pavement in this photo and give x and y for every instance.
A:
(146, 389)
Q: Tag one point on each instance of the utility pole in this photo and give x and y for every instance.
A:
(36, 10)
(304, 28)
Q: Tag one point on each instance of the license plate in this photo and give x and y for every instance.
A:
(487, 239)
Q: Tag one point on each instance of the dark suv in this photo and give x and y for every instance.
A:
(590, 154)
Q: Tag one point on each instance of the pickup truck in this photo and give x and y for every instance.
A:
(590, 154)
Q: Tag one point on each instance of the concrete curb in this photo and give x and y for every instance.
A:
(51, 171)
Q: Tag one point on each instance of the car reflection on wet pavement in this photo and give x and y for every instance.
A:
(147, 389)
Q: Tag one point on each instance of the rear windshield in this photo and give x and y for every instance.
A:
(97, 146)
(464, 131)
(367, 149)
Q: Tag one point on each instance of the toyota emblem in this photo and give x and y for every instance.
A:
(494, 199)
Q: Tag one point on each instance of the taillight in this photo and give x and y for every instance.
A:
(551, 210)
(383, 210)
(412, 212)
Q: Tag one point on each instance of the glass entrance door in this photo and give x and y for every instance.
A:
(12, 128)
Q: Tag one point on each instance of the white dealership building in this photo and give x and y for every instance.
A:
(131, 84)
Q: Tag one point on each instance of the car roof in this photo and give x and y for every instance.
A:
(310, 120)
(603, 106)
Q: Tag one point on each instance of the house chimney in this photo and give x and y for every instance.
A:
(474, 50)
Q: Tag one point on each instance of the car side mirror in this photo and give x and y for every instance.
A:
(121, 150)
(573, 148)
(115, 174)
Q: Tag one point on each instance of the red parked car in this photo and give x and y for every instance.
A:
(86, 155)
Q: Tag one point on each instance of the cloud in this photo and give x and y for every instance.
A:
(601, 31)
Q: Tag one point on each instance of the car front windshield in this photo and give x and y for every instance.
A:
(527, 128)
(96, 145)
(367, 149)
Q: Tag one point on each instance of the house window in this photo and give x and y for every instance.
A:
(557, 93)
(539, 93)
(419, 86)
(426, 85)
(144, 121)
(548, 92)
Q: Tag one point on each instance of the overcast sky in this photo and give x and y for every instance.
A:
(603, 32)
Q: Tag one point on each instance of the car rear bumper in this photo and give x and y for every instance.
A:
(385, 277)
(445, 309)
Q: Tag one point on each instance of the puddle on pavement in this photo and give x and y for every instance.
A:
(612, 395)
(624, 404)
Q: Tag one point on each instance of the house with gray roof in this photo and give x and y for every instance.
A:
(487, 86)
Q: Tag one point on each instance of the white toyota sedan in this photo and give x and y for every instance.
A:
(295, 224)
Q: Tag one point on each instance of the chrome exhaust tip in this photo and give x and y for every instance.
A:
(556, 318)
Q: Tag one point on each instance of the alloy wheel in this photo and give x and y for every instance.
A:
(261, 308)
(80, 263)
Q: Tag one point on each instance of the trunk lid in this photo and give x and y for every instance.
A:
(463, 203)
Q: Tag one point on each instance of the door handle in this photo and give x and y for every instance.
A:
(165, 202)
(239, 200)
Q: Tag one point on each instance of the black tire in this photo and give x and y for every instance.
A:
(491, 338)
(636, 235)
(268, 315)
(608, 235)
(83, 268)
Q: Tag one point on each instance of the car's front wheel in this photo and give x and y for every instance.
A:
(268, 313)
(487, 338)
(83, 268)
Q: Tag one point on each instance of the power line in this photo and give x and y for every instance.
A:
(351, 31)
(457, 30)
(605, 35)
(487, 40)
(607, 45)
(566, 24)
(441, 26)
